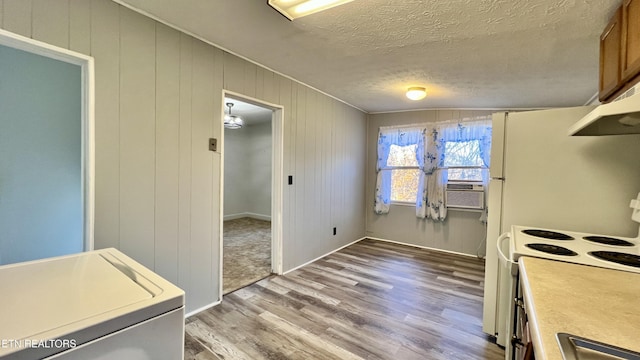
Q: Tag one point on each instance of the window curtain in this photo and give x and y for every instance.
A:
(433, 179)
(386, 138)
(485, 147)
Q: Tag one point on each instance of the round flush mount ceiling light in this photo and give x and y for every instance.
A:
(416, 93)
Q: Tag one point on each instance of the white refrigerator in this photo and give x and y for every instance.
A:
(541, 177)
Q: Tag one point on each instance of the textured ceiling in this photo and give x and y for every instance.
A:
(467, 53)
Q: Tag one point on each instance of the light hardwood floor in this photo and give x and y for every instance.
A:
(371, 300)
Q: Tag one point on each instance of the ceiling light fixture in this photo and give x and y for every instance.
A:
(293, 9)
(416, 93)
(232, 121)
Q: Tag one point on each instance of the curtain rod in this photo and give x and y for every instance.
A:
(463, 120)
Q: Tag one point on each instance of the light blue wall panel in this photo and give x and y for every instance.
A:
(40, 166)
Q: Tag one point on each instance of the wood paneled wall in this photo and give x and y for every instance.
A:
(158, 100)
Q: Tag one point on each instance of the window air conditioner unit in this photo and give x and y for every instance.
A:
(464, 196)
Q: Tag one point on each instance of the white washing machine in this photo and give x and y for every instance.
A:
(94, 305)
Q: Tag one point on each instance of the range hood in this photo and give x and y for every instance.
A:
(615, 118)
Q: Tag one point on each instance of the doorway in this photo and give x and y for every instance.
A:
(250, 244)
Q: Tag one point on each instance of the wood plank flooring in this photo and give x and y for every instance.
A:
(371, 300)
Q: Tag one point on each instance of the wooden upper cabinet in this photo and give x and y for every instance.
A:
(630, 39)
(610, 56)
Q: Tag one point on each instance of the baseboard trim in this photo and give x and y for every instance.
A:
(249, 215)
(201, 309)
(421, 247)
(320, 257)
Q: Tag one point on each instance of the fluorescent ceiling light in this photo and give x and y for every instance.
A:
(293, 9)
(416, 93)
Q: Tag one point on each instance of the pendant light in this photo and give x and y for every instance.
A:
(232, 121)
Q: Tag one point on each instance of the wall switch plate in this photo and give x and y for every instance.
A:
(213, 144)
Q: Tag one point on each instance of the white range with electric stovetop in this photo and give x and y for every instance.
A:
(611, 252)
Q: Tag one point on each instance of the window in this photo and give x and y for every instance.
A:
(405, 173)
(463, 160)
(399, 164)
(414, 163)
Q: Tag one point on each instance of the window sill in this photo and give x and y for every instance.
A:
(412, 204)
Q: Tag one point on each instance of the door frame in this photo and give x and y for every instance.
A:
(277, 179)
(87, 117)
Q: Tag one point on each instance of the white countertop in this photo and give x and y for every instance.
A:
(595, 303)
